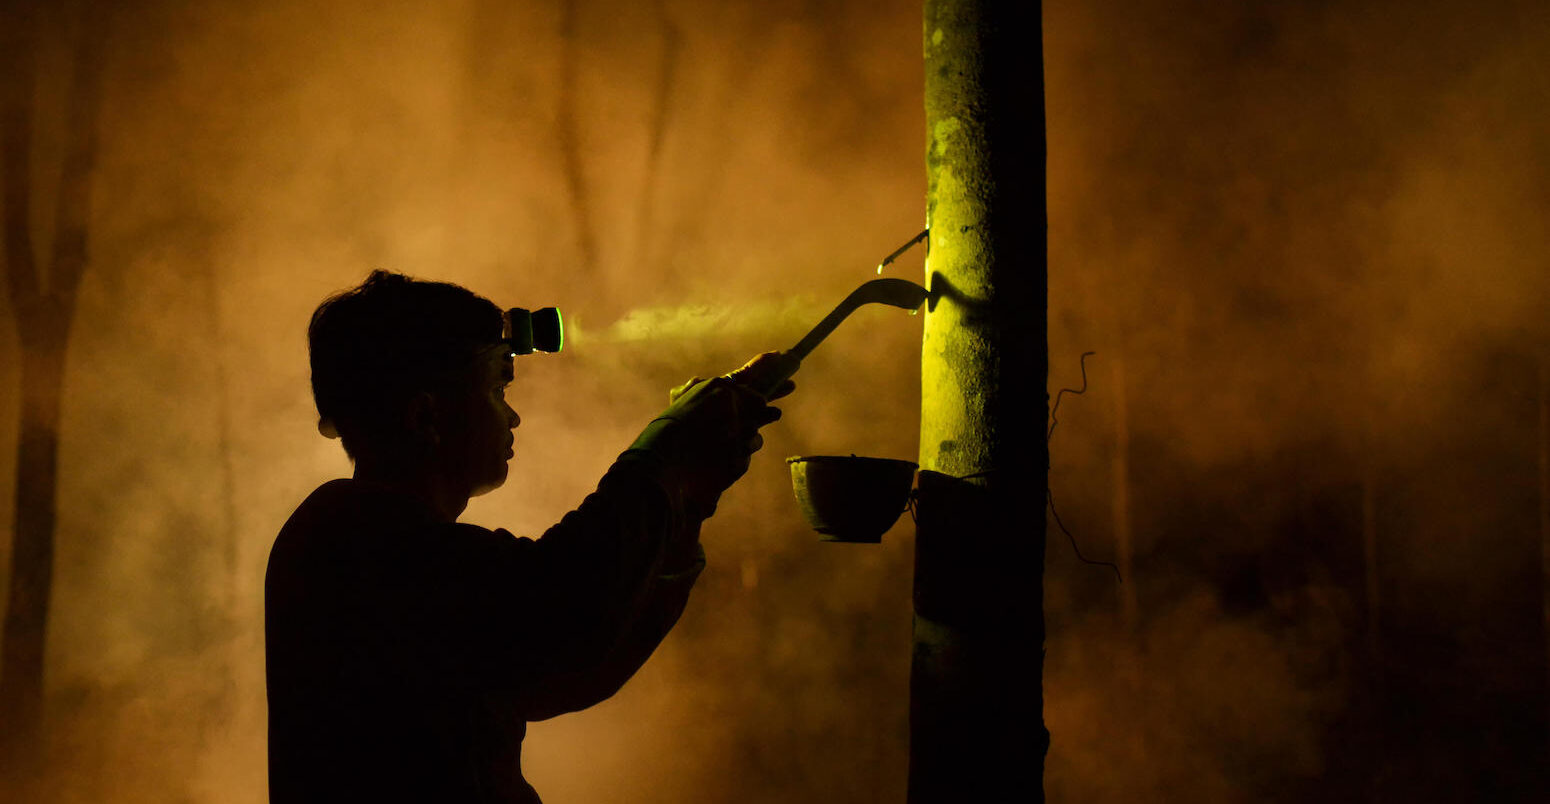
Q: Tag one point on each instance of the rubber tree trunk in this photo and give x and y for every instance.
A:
(976, 699)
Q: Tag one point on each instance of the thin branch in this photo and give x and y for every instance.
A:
(1056, 408)
(1049, 502)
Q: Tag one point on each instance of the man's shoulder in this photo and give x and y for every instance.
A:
(348, 500)
(341, 515)
(345, 511)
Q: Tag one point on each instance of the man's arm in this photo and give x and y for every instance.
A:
(597, 592)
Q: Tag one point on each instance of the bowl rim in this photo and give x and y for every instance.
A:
(795, 459)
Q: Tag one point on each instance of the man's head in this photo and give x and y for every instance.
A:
(412, 374)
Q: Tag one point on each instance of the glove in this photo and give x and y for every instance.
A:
(710, 431)
(761, 371)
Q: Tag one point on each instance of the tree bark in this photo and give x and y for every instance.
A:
(976, 698)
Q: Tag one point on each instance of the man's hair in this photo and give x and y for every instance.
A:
(374, 347)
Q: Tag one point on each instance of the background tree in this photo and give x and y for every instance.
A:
(44, 302)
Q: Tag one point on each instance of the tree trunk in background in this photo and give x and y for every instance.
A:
(976, 700)
(43, 313)
(570, 136)
(662, 99)
(1544, 522)
(1376, 670)
(1370, 562)
(1124, 542)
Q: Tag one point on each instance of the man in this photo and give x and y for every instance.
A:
(406, 652)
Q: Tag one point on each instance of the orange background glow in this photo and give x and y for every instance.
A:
(1305, 240)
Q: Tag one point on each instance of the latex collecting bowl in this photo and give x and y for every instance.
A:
(851, 498)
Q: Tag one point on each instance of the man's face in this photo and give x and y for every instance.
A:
(476, 434)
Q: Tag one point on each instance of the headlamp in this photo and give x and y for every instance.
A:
(534, 331)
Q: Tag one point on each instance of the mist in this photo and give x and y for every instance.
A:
(1304, 241)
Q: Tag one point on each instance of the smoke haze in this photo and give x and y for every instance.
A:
(1305, 241)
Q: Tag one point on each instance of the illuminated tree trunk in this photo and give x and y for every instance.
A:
(976, 699)
(43, 313)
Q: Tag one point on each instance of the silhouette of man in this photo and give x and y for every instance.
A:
(406, 651)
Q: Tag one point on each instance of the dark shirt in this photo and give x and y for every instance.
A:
(406, 656)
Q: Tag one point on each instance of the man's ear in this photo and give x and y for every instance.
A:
(420, 418)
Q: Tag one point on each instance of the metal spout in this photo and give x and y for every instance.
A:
(900, 293)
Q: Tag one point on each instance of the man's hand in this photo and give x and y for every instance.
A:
(765, 369)
(751, 375)
(711, 429)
